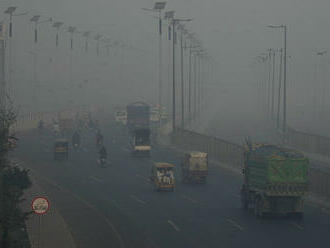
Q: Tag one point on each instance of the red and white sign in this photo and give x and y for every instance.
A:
(40, 205)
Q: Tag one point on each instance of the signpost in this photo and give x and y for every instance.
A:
(40, 206)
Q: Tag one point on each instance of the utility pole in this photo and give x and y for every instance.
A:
(273, 88)
(279, 89)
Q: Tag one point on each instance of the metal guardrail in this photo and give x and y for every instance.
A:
(232, 155)
(308, 142)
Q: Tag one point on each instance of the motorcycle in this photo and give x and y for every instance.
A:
(76, 146)
(102, 162)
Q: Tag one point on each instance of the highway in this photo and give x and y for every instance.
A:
(117, 207)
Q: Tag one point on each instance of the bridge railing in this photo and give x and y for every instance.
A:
(308, 142)
(232, 155)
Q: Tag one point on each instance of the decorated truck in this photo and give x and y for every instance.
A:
(275, 180)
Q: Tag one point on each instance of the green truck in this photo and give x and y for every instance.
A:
(275, 180)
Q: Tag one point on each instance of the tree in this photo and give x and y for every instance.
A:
(13, 181)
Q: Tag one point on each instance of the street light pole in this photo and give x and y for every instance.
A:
(174, 23)
(182, 82)
(158, 7)
(273, 88)
(189, 85)
(269, 79)
(284, 82)
(173, 73)
(279, 89)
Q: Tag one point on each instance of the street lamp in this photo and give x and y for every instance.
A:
(191, 46)
(159, 7)
(321, 84)
(57, 25)
(174, 23)
(71, 30)
(284, 27)
(183, 31)
(10, 11)
(36, 21)
(169, 15)
(97, 38)
(86, 34)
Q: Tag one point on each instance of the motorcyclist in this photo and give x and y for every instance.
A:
(99, 138)
(76, 138)
(56, 128)
(41, 125)
(103, 155)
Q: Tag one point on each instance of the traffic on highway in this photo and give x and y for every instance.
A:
(164, 124)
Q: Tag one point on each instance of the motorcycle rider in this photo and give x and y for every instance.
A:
(99, 138)
(76, 139)
(41, 125)
(103, 155)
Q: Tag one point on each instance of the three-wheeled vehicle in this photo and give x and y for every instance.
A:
(61, 149)
(162, 175)
(194, 167)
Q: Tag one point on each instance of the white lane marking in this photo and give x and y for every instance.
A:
(235, 224)
(143, 177)
(138, 200)
(297, 225)
(189, 199)
(175, 227)
(96, 179)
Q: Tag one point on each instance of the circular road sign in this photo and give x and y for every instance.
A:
(40, 205)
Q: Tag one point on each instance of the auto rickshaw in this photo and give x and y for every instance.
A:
(162, 175)
(61, 149)
(194, 167)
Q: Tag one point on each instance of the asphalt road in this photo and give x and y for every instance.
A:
(116, 206)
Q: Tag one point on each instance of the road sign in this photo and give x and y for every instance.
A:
(40, 205)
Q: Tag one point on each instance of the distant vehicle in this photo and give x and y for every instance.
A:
(138, 116)
(103, 155)
(66, 125)
(121, 117)
(11, 144)
(195, 167)
(141, 142)
(154, 114)
(158, 112)
(61, 149)
(275, 180)
(162, 175)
